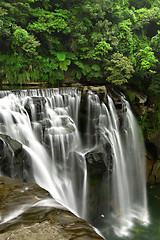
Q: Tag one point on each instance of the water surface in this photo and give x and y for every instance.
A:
(140, 232)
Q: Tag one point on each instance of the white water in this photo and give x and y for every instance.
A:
(52, 137)
(129, 191)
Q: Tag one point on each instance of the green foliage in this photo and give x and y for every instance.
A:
(85, 68)
(49, 22)
(24, 42)
(15, 69)
(88, 71)
(91, 40)
(64, 64)
(61, 56)
(157, 168)
(102, 48)
(78, 74)
(144, 16)
(146, 59)
(130, 96)
(125, 36)
(119, 69)
(155, 43)
(95, 68)
(150, 121)
(155, 84)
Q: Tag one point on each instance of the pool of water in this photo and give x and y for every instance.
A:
(140, 232)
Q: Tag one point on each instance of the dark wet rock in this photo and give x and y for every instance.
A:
(37, 221)
(95, 163)
(14, 161)
(99, 90)
(155, 141)
(98, 182)
(38, 103)
(15, 145)
(46, 123)
(150, 166)
(88, 116)
(153, 159)
(119, 103)
(99, 167)
(152, 170)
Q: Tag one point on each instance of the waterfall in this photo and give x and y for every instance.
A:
(47, 124)
(129, 191)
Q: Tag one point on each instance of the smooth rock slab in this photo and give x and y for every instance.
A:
(43, 231)
(28, 212)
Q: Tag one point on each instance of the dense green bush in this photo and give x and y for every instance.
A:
(84, 40)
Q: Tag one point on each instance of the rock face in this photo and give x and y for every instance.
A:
(99, 161)
(14, 161)
(38, 103)
(99, 90)
(28, 212)
(99, 167)
(153, 159)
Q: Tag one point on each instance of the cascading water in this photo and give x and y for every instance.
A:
(46, 122)
(128, 177)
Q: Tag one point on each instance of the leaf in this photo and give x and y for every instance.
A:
(79, 64)
(71, 56)
(96, 67)
(79, 75)
(67, 62)
(63, 66)
(86, 68)
(53, 52)
(61, 56)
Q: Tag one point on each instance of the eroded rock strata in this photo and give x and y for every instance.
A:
(28, 212)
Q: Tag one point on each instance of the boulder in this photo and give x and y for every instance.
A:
(99, 161)
(29, 213)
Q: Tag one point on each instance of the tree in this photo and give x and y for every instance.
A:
(155, 43)
(146, 60)
(125, 37)
(119, 69)
(24, 43)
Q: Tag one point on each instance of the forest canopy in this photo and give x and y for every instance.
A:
(94, 41)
